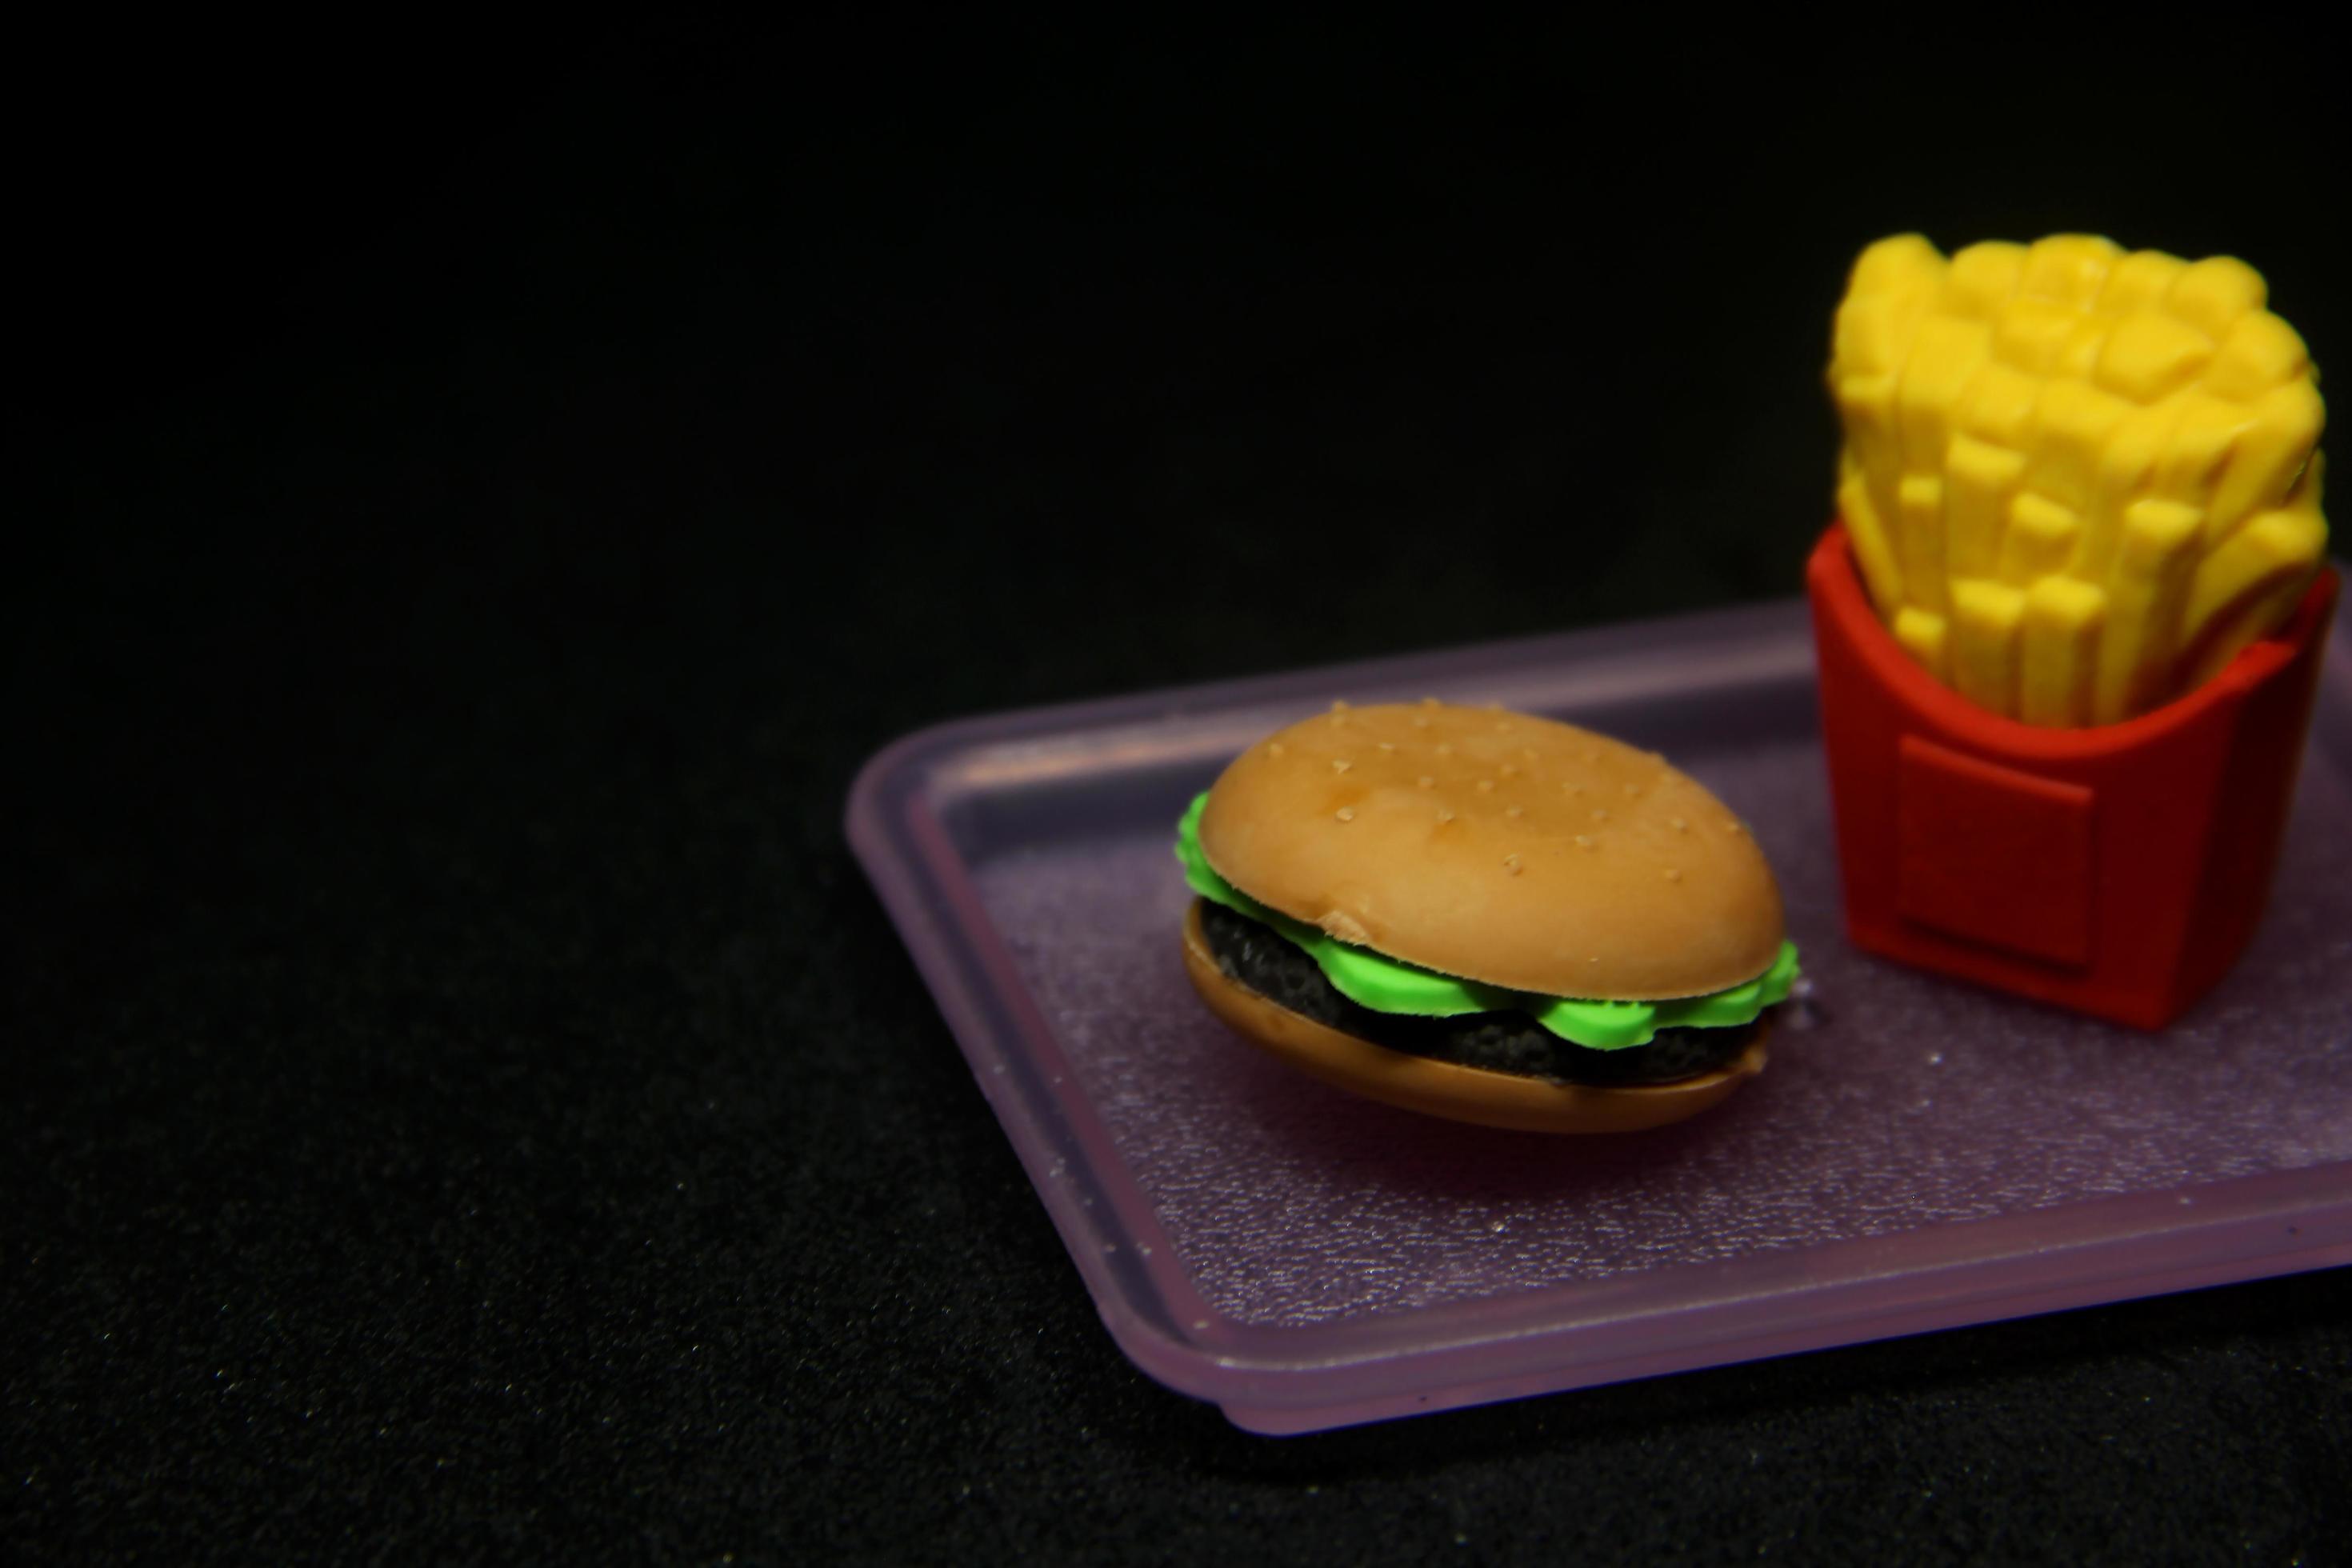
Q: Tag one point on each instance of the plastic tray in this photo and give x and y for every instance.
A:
(1919, 1154)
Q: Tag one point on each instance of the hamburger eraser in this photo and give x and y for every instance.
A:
(1484, 916)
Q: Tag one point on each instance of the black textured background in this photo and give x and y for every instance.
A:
(477, 500)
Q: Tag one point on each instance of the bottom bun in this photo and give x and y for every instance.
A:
(1447, 1089)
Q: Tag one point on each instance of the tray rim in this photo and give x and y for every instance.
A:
(2079, 1253)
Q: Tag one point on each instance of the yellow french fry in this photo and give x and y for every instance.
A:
(1982, 277)
(2059, 652)
(1919, 525)
(1981, 481)
(2149, 357)
(1901, 263)
(2031, 335)
(2247, 586)
(2127, 472)
(2262, 352)
(2269, 455)
(2146, 593)
(2040, 540)
(1947, 353)
(2212, 294)
(2000, 406)
(2070, 268)
(1873, 549)
(1988, 618)
(1922, 634)
(2076, 419)
(2140, 281)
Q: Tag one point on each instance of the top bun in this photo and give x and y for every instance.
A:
(1498, 847)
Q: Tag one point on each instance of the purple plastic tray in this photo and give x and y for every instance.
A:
(1919, 1154)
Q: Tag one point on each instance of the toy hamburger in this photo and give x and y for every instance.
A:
(1484, 916)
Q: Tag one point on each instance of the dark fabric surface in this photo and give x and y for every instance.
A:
(478, 505)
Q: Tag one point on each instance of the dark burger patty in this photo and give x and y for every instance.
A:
(1255, 956)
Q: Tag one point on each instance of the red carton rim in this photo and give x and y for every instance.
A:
(1837, 584)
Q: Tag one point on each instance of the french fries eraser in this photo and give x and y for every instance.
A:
(2070, 622)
